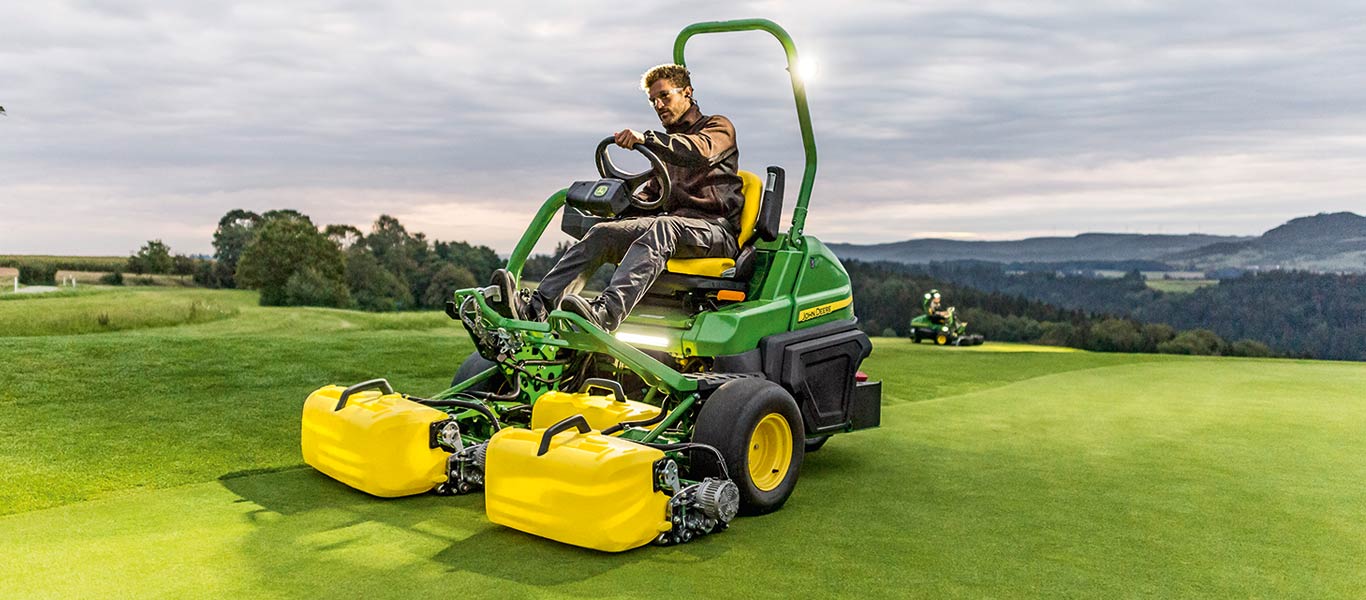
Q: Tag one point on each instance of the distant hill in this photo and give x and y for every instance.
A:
(1326, 242)
(1084, 247)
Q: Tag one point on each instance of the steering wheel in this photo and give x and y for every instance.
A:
(635, 180)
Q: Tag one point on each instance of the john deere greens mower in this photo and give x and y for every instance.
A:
(941, 326)
(699, 407)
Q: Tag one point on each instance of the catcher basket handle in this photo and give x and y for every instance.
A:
(569, 423)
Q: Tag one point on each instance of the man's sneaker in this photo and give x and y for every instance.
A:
(592, 312)
(510, 303)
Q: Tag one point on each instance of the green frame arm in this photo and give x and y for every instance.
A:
(794, 236)
(534, 231)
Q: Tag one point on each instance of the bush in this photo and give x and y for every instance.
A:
(1057, 334)
(1116, 335)
(1250, 348)
(307, 287)
(115, 278)
(889, 332)
(1156, 333)
(444, 283)
(372, 287)
(1201, 342)
(38, 273)
(183, 265)
(213, 274)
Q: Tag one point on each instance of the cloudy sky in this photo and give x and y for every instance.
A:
(986, 120)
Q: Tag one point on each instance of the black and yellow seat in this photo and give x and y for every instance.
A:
(728, 278)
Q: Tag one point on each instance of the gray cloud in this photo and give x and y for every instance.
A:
(138, 120)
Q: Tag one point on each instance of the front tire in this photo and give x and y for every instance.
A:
(756, 426)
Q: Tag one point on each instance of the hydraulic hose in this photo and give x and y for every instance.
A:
(720, 460)
(474, 406)
(624, 424)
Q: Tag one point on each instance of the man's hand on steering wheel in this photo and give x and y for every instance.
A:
(628, 138)
(657, 171)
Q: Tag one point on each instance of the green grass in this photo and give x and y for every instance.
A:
(1180, 286)
(163, 462)
(98, 310)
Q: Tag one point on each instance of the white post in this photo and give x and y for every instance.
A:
(16, 283)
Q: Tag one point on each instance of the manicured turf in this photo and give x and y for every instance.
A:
(100, 310)
(164, 463)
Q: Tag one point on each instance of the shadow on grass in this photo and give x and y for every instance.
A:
(307, 520)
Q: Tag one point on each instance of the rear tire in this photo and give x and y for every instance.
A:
(756, 426)
(475, 364)
(814, 444)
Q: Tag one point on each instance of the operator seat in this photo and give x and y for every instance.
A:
(759, 216)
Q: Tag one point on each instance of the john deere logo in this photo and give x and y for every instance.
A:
(824, 309)
(600, 191)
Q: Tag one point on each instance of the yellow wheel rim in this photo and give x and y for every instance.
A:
(770, 452)
(942, 339)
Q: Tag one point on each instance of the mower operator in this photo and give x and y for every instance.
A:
(699, 219)
(934, 308)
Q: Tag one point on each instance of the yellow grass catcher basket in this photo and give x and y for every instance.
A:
(574, 485)
(375, 441)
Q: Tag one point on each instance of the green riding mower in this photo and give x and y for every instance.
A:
(941, 325)
(699, 407)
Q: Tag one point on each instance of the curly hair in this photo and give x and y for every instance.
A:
(677, 74)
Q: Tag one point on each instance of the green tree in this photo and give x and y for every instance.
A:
(1116, 335)
(1249, 348)
(308, 287)
(372, 286)
(344, 236)
(480, 261)
(445, 282)
(282, 246)
(395, 250)
(153, 257)
(1057, 333)
(1156, 333)
(234, 234)
(1196, 341)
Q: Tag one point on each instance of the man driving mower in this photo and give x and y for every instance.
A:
(699, 219)
(934, 307)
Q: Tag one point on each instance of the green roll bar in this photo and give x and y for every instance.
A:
(794, 236)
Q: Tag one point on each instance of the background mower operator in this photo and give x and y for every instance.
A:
(699, 219)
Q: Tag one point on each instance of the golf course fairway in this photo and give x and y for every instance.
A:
(163, 462)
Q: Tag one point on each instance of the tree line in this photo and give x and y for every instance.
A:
(294, 262)
(1293, 314)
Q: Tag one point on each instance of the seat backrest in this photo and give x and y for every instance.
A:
(753, 191)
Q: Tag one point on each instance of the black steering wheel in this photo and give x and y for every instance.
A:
(635, 180)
